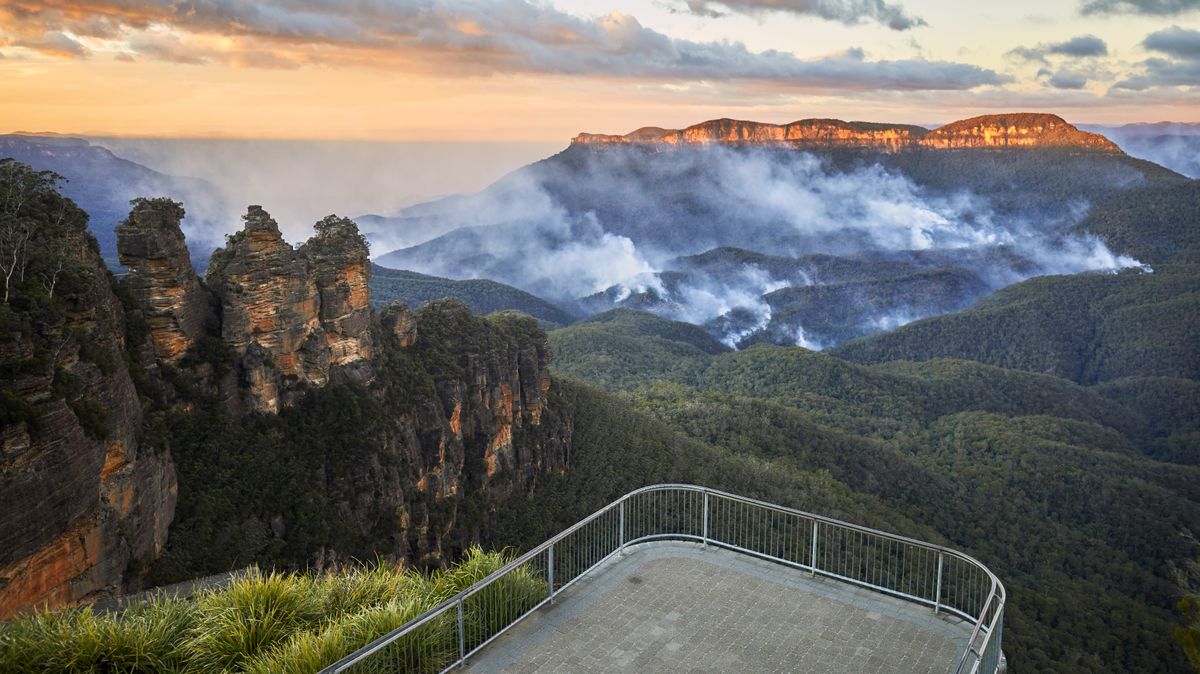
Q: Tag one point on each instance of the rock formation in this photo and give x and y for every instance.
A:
(483, 434)
(85, 502)
(341, 266)
(161, 278)
(293, 317)
(1013, 131)
(987, 131)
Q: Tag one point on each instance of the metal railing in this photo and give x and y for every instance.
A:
(935, 576)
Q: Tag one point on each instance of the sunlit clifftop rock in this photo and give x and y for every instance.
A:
(986, 131)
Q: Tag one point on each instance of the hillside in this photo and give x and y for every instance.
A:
(649, 221)
(103, 184)
(162, 426)
(481, 295)
(966, 447)
(1086, 328)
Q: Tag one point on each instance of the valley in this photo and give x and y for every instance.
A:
(992, 348)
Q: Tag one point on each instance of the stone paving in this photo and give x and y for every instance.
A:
(679, 607)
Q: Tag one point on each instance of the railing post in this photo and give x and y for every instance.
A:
(462, 639)
(937, 600)
(621, 528)
(704, 533)
(550, 570)
(812, 565)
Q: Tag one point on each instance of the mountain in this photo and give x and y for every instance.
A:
(1021, 469)
(103, 184)
(985, 131)
(481, 295)
(1088, 328)
(162, 427)
(968, 208)
(86, 496)
(1173, 145)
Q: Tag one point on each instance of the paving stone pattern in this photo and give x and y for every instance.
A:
(679, 607)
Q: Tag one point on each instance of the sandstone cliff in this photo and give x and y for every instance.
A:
(483, 435)
(987, 131)
(161, 278)
(293, 317)
(85, 502)
(1014, 131)
(453, 407)
(105, 400)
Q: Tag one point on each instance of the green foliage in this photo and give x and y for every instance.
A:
(94, 353)
(1155, 223)
(91, 416)
(1088, 328)
(14, 409)
(262, 622)
(1020, 469)
(482, 296)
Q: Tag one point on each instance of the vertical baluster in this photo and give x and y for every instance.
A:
(812, 561)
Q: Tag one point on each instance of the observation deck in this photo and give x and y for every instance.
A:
(678, 578)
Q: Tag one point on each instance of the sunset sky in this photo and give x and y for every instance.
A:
(543, 71)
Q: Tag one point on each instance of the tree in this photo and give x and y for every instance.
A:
(32, 216)
(1188, 634)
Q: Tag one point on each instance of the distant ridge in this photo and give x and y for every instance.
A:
(1010, 130)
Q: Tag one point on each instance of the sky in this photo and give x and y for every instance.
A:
(518, 70)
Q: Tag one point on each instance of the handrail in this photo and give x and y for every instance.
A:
(885, 562)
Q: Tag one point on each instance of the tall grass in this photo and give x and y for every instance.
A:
(272, 622)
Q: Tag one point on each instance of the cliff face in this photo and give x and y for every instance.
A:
(455, 414)
(482, 436)
(341, 267)
(1015, 131)
(84, 502)
(987, 131)
(293, 317)
(161, 278)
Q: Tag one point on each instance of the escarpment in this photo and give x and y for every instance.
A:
(1015, 131)
(1007, 131)
(293, 317)
(161, 278)
(305, 428)
(453, 407)
(85, 497)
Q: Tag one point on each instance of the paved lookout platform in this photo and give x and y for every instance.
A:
(682, 607)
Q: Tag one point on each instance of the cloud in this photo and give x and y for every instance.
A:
(51, 43)
(1080, 46)
(1068, 79)
(1147, 7)
(1163, 73)
(1183, 70)
(1178, 42)
(577, 225)
(459, 37)
(849, 12)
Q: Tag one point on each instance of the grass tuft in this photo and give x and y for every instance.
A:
(267, 622)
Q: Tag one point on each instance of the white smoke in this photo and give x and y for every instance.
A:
(617, 226)
(801, 338)
(299, 182)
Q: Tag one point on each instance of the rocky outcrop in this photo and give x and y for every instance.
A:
(84, 502)
(803, 133)
(174, 305)
(339, 261)
(1017, 130)
(484, 435)
(458, 407)
(988, 131)
(293, 317)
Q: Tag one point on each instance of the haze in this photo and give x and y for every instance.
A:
(515, 70)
